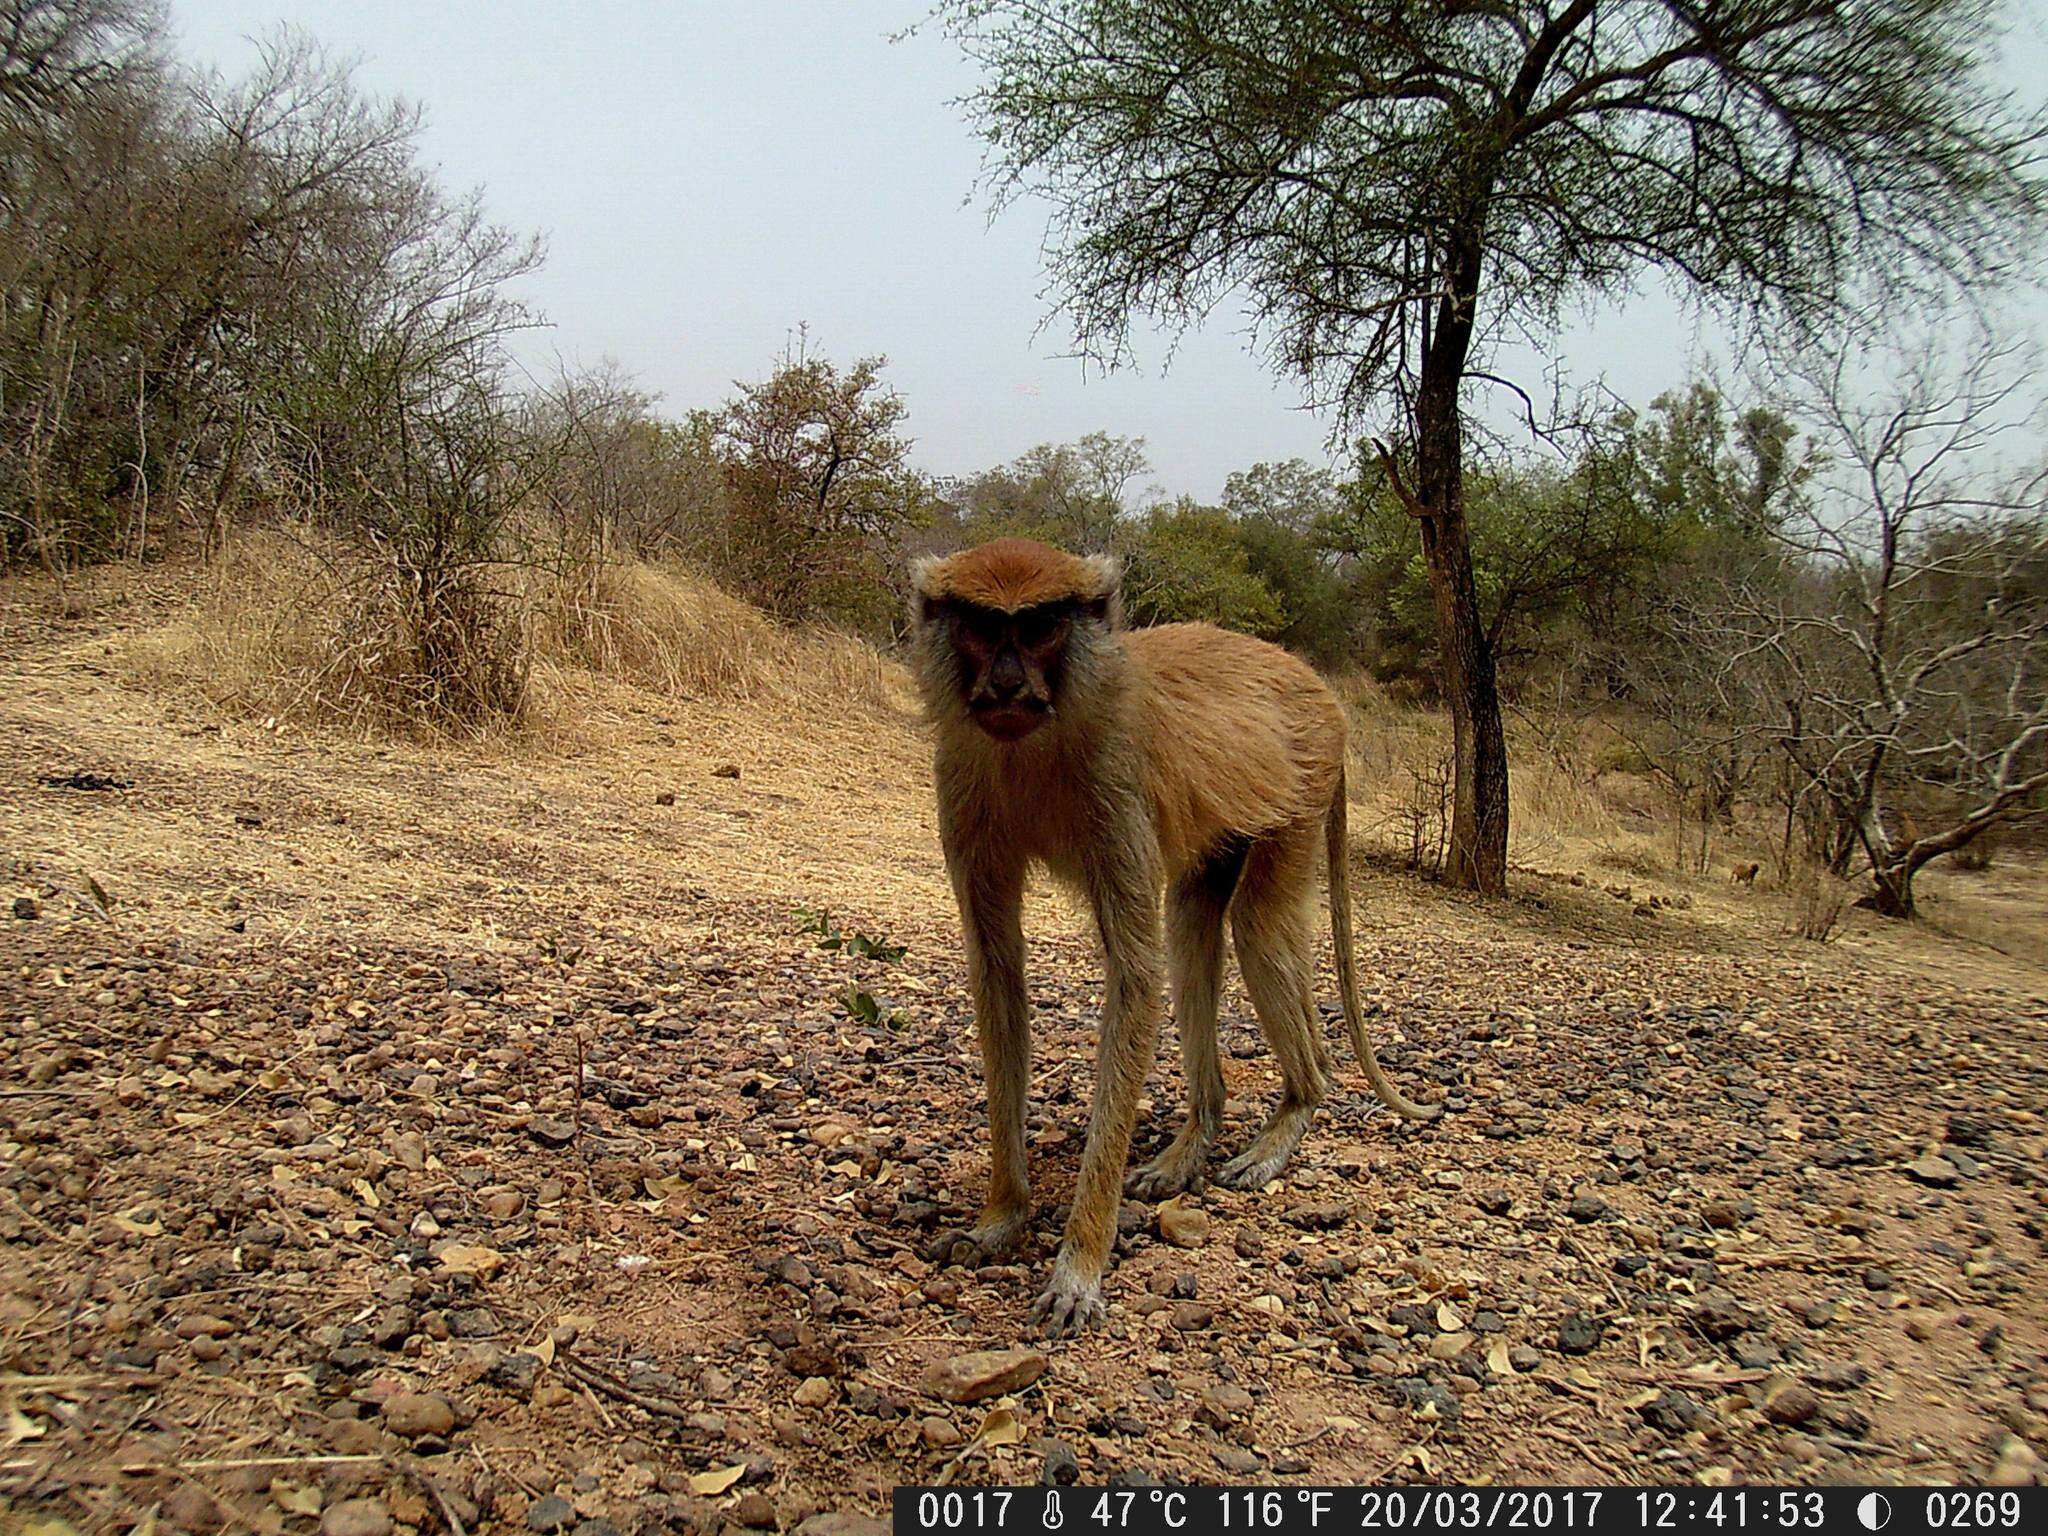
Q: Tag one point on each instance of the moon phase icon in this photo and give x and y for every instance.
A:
(1873, 1509)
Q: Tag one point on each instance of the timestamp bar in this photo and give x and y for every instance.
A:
(1215, 1511)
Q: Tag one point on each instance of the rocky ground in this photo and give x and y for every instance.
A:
(394, 1141)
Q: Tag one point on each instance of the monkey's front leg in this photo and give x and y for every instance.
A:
(991, 911)
(1127, 911)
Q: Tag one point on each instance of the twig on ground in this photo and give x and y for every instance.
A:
(591, 1376)
(410, 1465)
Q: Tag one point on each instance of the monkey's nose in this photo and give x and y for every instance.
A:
(1005, 678)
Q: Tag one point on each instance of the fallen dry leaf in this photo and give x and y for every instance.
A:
(710, 1485)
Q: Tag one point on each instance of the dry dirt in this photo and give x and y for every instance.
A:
(439, 1139)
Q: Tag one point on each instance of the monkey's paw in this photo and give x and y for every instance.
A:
(1174, 1171)
(1251, 1170)
(977, 1244)
(1068, 1306)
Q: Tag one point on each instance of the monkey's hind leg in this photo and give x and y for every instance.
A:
(1273, 924)
(1194, 938)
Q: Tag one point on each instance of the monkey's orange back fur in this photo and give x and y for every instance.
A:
(1238, 737)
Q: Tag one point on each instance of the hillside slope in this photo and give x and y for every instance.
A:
(308, 1200)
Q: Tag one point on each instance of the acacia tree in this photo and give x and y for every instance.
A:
(1399, 186)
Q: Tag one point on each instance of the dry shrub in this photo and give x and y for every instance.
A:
(1819, 898)
(295, 626)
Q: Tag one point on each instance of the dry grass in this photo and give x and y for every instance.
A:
(292, 626)
(274, 632)
(1558, 809)
(662, 628)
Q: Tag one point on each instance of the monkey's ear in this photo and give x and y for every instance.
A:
(924, 583)
(1102, 591)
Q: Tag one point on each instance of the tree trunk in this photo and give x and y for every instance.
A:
(1478, 855)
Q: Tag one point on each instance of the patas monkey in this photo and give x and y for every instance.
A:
(1183, 757)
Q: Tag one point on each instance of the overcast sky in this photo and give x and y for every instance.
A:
(709, 175)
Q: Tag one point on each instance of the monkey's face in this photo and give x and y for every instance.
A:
(1010, 663)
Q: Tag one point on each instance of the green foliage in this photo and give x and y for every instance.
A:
(1567, 557)
(1071, 495)
(1283, 514)
(1338, 166)
(1184, 561)
(863, 946)
(819, 490)
(863, 1007)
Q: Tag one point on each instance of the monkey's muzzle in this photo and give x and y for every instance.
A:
(1012, 719)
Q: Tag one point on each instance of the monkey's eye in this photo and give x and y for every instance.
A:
(1038, 626)
(982, 627)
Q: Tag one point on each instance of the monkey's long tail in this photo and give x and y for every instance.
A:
(1337, 833)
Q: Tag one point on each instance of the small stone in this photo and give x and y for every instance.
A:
(551, 1131)
(1838, 1378)
(356, 1517)
(1726, 1215)
(1933, 1170)
(1755, 1351)
(1674, 1413)
(1224, 1404)
(1448, 1346)
(27, 908)
(755, 1511)
(666, 797)
(189, 1507)
(984, 1373)
(1922, 1325)
(1875, 1279)
(1586, 1208)
(1192, 1316)
(1428, 1399)
(1787, 1402)
(1062, 1468)
(1318, 1215)
(2017, 1465)
(1523, 1358)
(940, 1434)
(726, 771)
(516, 1372)
(474, 1323)
(843, 1522)
(1969, 1131)
(1580, 1334)
(1183, 1226)
(413, 1414)
(550, 1512)
(1720, 1317)
(815, 1392)
(503, 1204)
